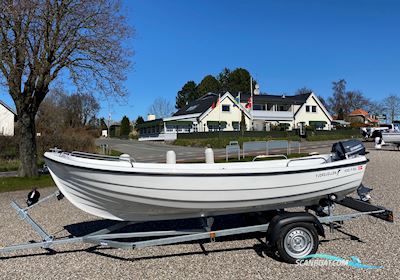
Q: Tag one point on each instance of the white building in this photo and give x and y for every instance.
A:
(7, 120)
(213, 112)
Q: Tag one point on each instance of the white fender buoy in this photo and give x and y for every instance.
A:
(378, 143)
(171, 157)
(209, 153)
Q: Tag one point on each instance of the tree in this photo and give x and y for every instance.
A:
(208, 84)
(78, 108)
(355, 99)
(323, 101)
(103, 124)
(71, 107)
(50, 118)
(336, 101)
(125, 126)
(223, 79)
(343, 102)
(303, 90)
(138, 122)
(234, 81)
(39, 40)
(392, 106)
(90, 107)
(186, 94)
(239, 81)
(375, 108)
(243, 127)
(161, 107)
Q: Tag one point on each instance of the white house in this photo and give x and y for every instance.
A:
(213, 112)
(291, 111)
(7, 120)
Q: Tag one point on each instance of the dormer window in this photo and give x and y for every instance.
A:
(191, 108)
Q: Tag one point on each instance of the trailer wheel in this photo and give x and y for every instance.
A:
(297, 240)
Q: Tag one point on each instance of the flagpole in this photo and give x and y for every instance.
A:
(252, 101)
(219, 112)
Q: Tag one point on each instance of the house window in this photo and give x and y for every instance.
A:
(259, 107)
(226, 108)
(283, 108)
(270, 107)
(308, 108)
(236, 126)
(314, 109)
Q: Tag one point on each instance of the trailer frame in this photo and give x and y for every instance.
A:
(108, 237)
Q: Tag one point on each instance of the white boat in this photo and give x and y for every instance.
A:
(120, 189)
(391, 137)
(387, 136)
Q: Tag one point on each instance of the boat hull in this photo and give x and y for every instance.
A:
(391, 137)
(142, 196)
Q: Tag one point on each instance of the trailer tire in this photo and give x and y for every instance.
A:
(296, 240)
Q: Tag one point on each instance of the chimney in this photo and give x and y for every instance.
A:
(256, 90)
(151, 117)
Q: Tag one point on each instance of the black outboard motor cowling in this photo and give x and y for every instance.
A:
(347, 149)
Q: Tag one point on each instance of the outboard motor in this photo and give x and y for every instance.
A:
(347, 149)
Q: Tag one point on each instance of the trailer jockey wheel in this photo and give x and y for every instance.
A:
(33, 197)
(297, 240)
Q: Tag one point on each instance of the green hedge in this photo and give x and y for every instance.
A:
(221, 139)
(237, 134)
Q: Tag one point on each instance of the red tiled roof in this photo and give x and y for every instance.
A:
(358, 112)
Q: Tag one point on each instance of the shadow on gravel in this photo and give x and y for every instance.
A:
(229, 221)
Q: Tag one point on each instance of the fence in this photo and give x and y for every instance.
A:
(266, 146)
(232, 149)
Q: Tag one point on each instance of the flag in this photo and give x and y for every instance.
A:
(249, 103)
(237, 100)
(215, 104)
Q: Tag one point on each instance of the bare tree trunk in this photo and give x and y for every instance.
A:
(27, 145)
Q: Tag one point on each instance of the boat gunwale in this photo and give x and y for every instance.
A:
(321, 167)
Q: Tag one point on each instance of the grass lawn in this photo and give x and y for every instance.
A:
(8, 184)
(113, 153)
(13, 164)
(9, 164)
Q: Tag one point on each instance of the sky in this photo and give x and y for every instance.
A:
(284, 44)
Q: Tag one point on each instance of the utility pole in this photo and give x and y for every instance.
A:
(108, 126)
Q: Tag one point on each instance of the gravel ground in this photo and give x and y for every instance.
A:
(375, 242)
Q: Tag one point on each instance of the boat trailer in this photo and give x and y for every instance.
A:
(298, 229)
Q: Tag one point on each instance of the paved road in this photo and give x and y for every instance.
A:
(9, 174)
(156, 151)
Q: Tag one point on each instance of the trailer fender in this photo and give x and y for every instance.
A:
(283, 219)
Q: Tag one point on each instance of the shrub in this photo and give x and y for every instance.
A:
(70, 139)
(8, 147)
(358, 125)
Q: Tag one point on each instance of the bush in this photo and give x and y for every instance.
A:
(8, 147)
(358, 125)
(71, 139)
